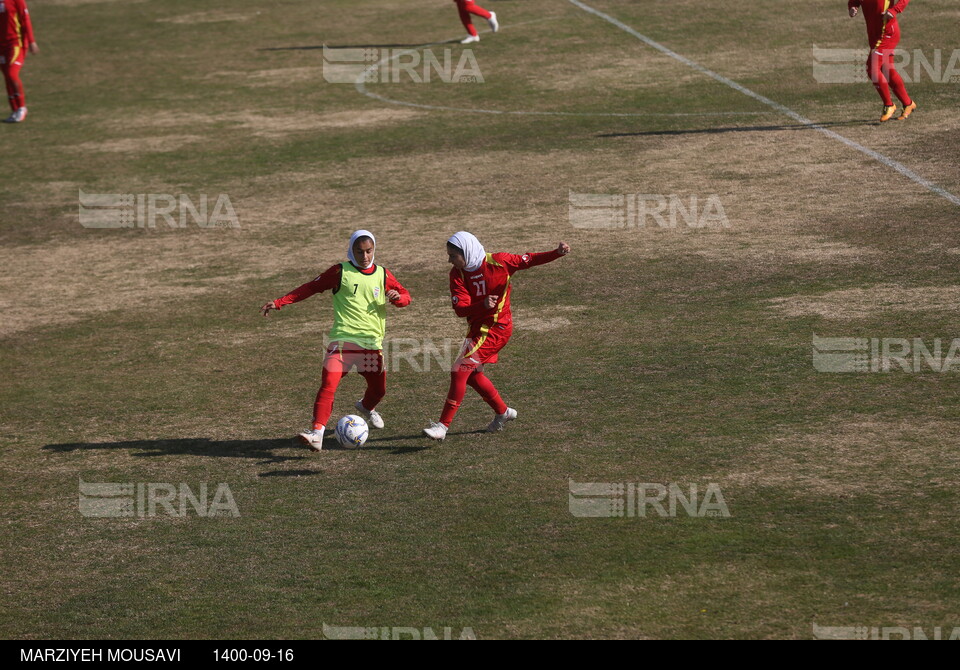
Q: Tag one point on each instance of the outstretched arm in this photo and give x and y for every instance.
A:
(329, 280)
(516, 262)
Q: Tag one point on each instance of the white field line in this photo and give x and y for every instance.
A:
(362, 88)
(889, 162)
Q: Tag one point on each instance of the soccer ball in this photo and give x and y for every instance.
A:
(351, 431)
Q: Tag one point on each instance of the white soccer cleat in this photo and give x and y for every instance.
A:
(313, 439)
(494, 24)
(18, 116)
(372, 417)
(501, 419)
(435, 431)
(470, 39)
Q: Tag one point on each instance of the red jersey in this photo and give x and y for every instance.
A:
(873, 14)
(15, 27)
(330, 281)
(468, 290)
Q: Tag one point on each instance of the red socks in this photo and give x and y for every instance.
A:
(458, 388)
(884, 75)
(468, 7)
(323, 405)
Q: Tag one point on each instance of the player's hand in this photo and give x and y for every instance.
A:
(34, 48)
(393, 294)
(853, 12)
(563, 249)
(266, 308)
(491, 301)
(889, 16)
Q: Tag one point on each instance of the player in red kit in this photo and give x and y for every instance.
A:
(883, 33)
(16, 38)
(468, 7)
(361, 290)
(480, 292)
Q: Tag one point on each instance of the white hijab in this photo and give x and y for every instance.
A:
(353, 238)
(470, 246)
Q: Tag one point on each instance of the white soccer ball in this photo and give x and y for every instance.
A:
(351, 431)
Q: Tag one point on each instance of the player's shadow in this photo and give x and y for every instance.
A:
(262, 450)
(739, 129)
(200, 446)
(318, 47)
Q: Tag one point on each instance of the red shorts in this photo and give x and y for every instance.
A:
(890, 38)
(481, 348)
(342, 356)
(11, 57)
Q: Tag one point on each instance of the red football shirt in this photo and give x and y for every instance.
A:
(15, 27)
(873, 11)
(468, 290)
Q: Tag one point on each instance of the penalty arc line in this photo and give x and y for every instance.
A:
(889, 162)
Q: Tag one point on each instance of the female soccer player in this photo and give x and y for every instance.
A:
(16, 37)
(883, 32)
(361, 290)
(480, 292)
(468, 7)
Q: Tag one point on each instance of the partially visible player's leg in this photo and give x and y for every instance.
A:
(883, 66)
(468, 7)
(462, 369)
(12, 63)
(899, 88)
(371, 368)
(458, 389)
(333, 372)
(878, 73)
(475, 9)
(334, 369)
(11, 91)
(465, 17)
(480, 383)
(468, 370)
(875, 71)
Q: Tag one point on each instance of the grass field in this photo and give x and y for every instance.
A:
(664, 355)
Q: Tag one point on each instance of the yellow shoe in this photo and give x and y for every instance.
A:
(907, 111)
(888, 113)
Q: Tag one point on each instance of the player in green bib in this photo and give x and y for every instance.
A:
(361, 291)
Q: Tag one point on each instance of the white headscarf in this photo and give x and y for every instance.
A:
(470, 246)
(353, 238)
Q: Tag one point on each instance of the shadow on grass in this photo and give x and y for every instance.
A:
(200, 446)
(355, 46)
(742, 129)
(258, 449)
(290, 473)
